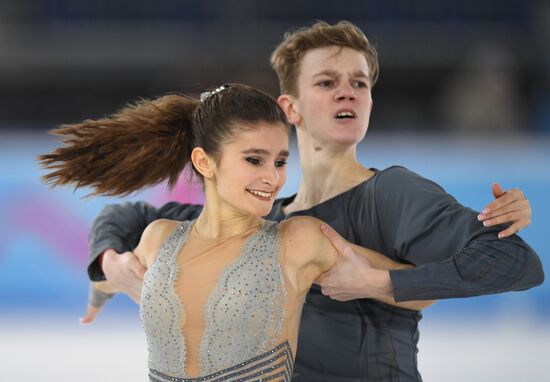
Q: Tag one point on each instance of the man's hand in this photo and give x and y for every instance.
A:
(508, 207)
(352, 276)
(91, 313)
(100, 293)
(124, 272)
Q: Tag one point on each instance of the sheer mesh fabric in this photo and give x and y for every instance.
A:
(235, 315)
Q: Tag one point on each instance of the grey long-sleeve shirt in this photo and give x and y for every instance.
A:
(399, 214)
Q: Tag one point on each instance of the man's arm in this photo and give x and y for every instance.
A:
(508, 207)
(114, 235)
(372, 266)
(455, 254)
(316, 253)
(413, 220)
(119, 227)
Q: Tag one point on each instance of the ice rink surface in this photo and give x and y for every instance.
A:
(59, 349)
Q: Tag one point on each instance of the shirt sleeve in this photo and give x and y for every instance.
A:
(453, 253)
(119, 226)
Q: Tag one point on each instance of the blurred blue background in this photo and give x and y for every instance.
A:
(462, 99)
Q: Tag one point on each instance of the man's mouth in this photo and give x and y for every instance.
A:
(345, 115)
(265, 195)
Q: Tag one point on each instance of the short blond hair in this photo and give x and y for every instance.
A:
(286, 58)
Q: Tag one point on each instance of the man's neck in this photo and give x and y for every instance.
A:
(326, 172)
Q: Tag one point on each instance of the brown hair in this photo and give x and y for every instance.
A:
(151, 141)
(286, 58)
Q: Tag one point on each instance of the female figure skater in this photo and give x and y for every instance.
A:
(326, 75)
(223, 294)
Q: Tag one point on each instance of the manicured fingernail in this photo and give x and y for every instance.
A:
(480, 217)
(486, 223)
(485, 211)
(500, 235)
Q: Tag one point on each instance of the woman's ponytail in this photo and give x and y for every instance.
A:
(141, 145)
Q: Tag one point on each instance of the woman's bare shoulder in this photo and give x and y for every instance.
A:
(303, 236)
(161, 226)
(297, 226)
(152, 238)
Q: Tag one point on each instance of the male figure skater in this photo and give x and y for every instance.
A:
(326, 73)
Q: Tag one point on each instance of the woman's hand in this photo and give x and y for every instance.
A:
(508, 207)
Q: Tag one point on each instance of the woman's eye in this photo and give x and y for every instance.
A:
(254, 161)
(280, 163)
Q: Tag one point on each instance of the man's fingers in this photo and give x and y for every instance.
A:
(342, 297)
(136, 297)
(138, 269)
(321, 278)
(338, 243)
(91, 314)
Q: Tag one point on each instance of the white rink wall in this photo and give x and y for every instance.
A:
(43, 284)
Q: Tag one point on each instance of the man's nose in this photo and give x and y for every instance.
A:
(345, 92)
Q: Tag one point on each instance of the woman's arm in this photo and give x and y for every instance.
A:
(311, 254)
(379, 262)
(352, 257)
(146, 252)
(119, 228)
(151, 240)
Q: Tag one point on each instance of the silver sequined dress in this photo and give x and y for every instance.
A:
(244, 314)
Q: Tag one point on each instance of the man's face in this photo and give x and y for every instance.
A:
(334, 101)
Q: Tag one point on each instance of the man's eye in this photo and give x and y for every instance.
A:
(254, 161)
(325, 83)
(360, 84)
(280, 163)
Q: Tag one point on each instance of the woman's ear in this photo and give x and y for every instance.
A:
(202, 162)
(289, 105)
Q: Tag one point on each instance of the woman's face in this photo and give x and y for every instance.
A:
(252, 168)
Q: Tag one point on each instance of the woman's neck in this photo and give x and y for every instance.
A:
(218, 220)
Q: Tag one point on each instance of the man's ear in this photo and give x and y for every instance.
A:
(289, 105)
(204, 163)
